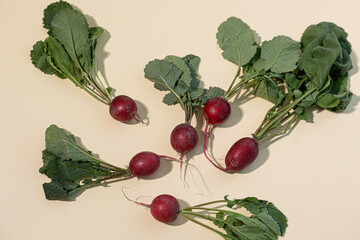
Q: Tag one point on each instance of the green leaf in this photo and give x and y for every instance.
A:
(193, 60)
(63, 145)
(39, 58)
(68, 170)
(170, 99)
(265, 212)
(181, 64)
(197, 93)
(163, 73)
(94, 34)
(244, 227)
(318, 66)
(266, 89)
(279, 55)
(292, 82)
(214, 92)
(237, 41)
(327, 100)
(344, 102)
(71, 29)
(55, 191)
(70, 167)
(52, 10)
(61, 60)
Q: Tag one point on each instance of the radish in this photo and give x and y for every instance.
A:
(77, 63)
(241, 154)
(216, 111)
(183, 139)
(178, 76)
(72, 168)
(123, 109)
(265, 220)
(165, 208)
(144, 164)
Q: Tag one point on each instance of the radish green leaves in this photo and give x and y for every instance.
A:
(178, 76)
(266, 222)
(69, 50)
(71, 167)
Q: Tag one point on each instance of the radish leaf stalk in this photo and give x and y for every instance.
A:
(263, 221)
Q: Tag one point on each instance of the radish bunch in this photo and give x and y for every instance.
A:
(72, 168)
(69, 53)
(265, 221)
(178, 76)
(313, 72)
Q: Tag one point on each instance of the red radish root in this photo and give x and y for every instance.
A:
(165, 208)
(241, 154)
(216, 110)
(144, 164)
(123, 109)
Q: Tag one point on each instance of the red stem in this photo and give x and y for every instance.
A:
(181, 161)
(171, 158)
(138, 116)
(207, 136)
(139, 203)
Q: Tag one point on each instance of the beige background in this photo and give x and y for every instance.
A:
(312, 175)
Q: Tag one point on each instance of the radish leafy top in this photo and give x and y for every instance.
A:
(266, 222)
(261, 65)
(71, 167)
(69, 50)
(178, 75)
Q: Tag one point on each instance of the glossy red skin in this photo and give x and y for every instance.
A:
(184, 138)
(165, 208)
(144, 164)
(216, 110)
(123, 108)
(241, 154)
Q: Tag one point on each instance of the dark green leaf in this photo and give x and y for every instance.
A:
(214, 92)
(237, 41)
(279, 55)
(292, 82)
(265, 212)
(163, 73)
(61, 60)
(266, 89)
(55, 191)
(52, 10)
(94, 34)
(297, 93)
(39, 58)
(170, 99)
(318, 66)
(193, 60)
(64, 145)
(197, 93)
(344, 102)
(181, 64)
(66, 171)
(70, 28)
(327, 100)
